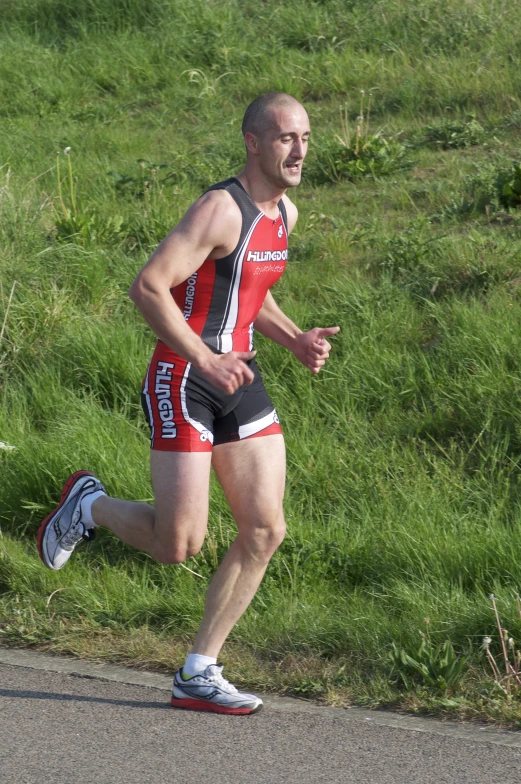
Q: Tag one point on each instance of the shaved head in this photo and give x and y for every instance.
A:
(259, 116)
(276, 134)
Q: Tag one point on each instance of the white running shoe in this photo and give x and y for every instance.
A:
(61, 531)
(209, 691)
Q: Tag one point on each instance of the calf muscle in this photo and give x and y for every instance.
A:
(174, 529)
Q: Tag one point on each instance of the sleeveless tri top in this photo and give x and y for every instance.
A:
(222, 299)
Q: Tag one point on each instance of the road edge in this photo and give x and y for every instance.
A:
(67, 665)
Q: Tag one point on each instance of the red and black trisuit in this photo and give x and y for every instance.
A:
(220, 302)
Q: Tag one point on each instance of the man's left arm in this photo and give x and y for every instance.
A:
(311, 347)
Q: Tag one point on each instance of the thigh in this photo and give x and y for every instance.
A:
(181, 489)
(252, 474)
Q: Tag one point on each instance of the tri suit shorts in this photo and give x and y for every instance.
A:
(186, 413)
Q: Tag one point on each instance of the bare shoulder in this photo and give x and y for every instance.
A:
(216, 216)
(291, 211)
(217, 203)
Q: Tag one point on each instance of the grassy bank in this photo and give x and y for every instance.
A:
(403, 481)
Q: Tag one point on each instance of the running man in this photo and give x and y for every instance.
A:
(203, 291)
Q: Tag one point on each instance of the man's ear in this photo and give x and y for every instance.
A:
(251, 142)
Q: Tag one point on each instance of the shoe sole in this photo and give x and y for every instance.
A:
(69, 484)
(212, 707)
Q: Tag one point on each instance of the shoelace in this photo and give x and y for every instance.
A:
(217, 678)
(73, 536)
(77, 531)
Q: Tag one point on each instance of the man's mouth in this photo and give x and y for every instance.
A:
(294, 168)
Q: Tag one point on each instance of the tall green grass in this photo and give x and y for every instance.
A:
(403, 481)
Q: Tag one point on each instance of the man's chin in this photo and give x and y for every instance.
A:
(283, 179)
(292, 179)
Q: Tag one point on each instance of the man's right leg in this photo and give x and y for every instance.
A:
(174, 529)
(171, 532)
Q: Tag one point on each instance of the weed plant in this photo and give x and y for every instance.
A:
(509, 682)
(436, 667)
(450, 134)
(403, 454)
(355, 153)
(497, 186)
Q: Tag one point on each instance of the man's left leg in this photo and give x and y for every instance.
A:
(252, 474)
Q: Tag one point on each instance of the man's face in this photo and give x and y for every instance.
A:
(283, 147)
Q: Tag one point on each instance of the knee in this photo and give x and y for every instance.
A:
(176, 552)
(277, 535)
(263, 540)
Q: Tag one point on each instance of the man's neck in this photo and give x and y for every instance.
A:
(262, 193)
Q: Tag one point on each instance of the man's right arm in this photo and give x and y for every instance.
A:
(205, 230)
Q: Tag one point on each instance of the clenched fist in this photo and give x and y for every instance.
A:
(312, 348)
(229, 371)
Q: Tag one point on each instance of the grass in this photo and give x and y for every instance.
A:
(403, 480)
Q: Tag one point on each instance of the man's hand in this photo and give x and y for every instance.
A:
(312, 348)
(229, 371)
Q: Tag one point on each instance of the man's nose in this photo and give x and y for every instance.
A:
(298, 149)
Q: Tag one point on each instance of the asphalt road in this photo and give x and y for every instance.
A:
(61, 728)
